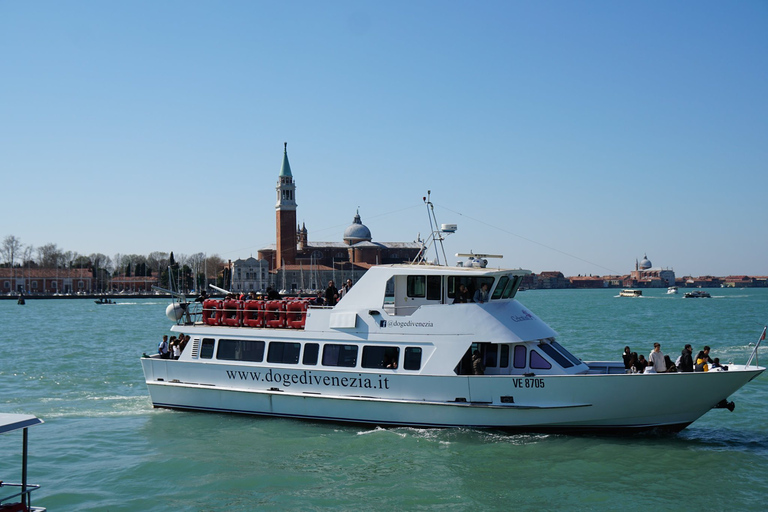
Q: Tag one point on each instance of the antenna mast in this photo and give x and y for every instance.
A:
(436, 236)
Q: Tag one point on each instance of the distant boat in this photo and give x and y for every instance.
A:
(696, 294)
(631, 293)
(672, 290)
(21, 301)
(105, 301)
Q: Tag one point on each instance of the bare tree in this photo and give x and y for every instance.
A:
(48, 256)
(10, 249)
(158, 261)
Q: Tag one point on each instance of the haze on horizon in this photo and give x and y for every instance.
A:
(566, 136)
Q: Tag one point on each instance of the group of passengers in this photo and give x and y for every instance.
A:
(332, 295)
(172, 349)
(480, 296)
(658, 362)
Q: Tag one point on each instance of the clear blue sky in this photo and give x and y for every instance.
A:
(565, 135)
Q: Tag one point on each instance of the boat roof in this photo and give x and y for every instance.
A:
(10, 422)
(416, 268)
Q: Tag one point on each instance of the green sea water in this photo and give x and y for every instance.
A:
(103, 447)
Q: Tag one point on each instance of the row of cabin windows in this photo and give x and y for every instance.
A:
(290, 353)
(430, 287)
(497, 356)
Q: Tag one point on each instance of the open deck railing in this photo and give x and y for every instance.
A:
(24, 494)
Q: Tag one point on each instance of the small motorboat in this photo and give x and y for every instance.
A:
(105, 301)
(20, 498)
(672, 290)
(697, 294)
(631, 293)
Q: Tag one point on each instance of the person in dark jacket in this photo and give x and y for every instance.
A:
(627, 356)
(686, 359)
(331, 294)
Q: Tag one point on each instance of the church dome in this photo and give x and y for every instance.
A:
(357, 231)
(645, 263)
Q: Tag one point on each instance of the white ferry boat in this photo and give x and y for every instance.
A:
(631, 293)
(672, 290)
(397, 350)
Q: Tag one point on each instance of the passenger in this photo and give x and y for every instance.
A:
(656, 359)
(478, 368)
(627, 356)
(670, 365)
(162, 348)
(702, 358)
(331, 294)
(319, 300)
(632, 363)
(641, 364)
(272, 294)
(481, 295)
(251, 295)
(176, 349)
(345, 288)
(685, 361)
(462, 295)
(202, 297)
(184, 343)
(716, 364)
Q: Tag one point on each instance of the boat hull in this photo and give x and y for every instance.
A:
(562, 403)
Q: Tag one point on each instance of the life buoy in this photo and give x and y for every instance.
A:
(232, 313)
(211, 309)
(275, 313)
(295, 314)
(253, 313)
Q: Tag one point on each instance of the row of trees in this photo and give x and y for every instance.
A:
(188, 272)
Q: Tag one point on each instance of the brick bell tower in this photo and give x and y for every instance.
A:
(286, 215)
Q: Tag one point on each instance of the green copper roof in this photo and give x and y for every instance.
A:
(285, 170)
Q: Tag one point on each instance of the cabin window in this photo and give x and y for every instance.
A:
(557, 356)
(310, 353)
(412, 360)
(417, 286)
(340, 355)
(575, 360)
(472, 284)
(240, 350)
(538, 362)
(206, 349)
(380, 357)
(511, 287)
(504, 359)
(500, 287)
(434, 288)
(286, 353)
(491, 353)
(519, 361)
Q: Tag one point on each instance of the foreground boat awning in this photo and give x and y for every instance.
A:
(11, 422)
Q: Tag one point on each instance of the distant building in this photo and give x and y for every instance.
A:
(588, 282)
(552, 279)
(249, 275)
(648, 276)
(32, 281)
